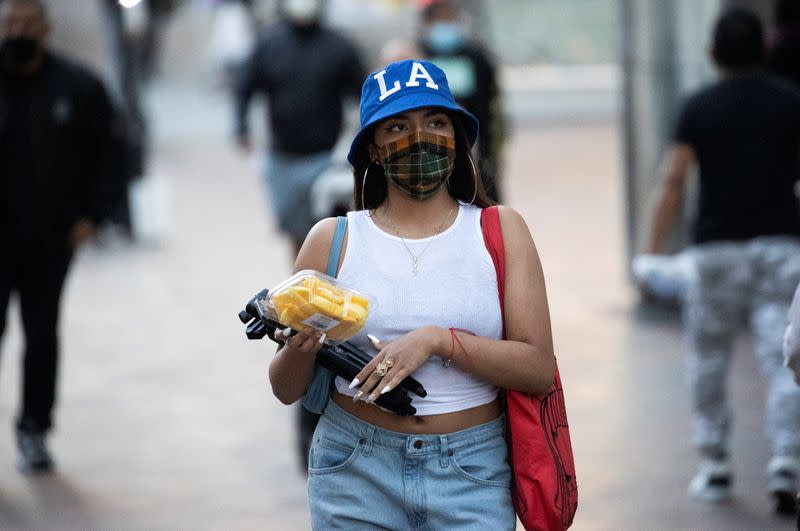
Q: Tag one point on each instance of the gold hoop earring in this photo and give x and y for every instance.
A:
(363, 185)
(474, 174)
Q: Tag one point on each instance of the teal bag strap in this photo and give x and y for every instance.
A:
(336, 245)
(319, 391)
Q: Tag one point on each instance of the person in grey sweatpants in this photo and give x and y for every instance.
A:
(749, 282)
(791, 349)
(791, 338)
(743, 132)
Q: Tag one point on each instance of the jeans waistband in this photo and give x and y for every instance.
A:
(410, 443)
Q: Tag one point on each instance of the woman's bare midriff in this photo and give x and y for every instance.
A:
(422, 424)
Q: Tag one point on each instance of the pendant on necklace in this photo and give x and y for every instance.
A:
(414, 265)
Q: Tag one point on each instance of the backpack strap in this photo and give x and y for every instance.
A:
(493, 238)
(319, 391)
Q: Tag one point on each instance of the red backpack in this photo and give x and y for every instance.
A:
(544, 488)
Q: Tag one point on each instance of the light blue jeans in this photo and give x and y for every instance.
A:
(363, 477)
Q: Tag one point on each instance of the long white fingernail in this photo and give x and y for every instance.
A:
(374, 339)
(358, 395)
(354, 383)
(322, 338)
(286, 332)
(386, 390)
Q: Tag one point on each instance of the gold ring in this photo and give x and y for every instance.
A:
(381, 369)
(389, 363)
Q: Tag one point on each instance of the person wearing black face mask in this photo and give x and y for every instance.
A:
(19, 51)
(445, 40)
(415, 243)
(307, 72)
(56, 175)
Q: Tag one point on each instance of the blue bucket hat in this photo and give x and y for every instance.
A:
(405, 86)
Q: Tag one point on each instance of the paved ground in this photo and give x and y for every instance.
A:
(166, 420)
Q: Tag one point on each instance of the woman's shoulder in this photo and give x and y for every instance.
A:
(509, 214)
(515, 228)
(510, 219)
(317, 246)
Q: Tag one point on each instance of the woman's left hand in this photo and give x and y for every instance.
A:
(398, 359)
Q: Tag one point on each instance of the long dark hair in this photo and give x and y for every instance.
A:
(461, 185)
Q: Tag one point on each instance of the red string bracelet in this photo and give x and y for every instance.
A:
(453, 340)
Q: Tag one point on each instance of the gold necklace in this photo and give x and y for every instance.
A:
(415, 258)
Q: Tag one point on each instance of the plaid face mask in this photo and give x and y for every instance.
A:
(420, 163)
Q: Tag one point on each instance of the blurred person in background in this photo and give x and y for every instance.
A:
(791, 350)
(445, 40)
(398, 50)
(134, 36)
(140, 31)
(414, 243)
(148, 49)
(307, 72)
(125, 46)
(232, 37)
(56, 148)
(784, 55)
(744, 133)
(791, 340)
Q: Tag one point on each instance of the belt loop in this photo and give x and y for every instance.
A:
(366, 440)
(443, 451)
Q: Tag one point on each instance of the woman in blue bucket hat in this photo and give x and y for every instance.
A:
(414, 243)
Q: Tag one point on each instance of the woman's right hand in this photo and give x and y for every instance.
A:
(306, 342)
(292, 368)
(291, 371)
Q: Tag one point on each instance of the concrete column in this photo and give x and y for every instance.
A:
(664, 47)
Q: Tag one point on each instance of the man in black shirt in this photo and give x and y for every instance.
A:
(472, 75)
(55, 148)
(306, 71)
(784, 55)
(744, 133)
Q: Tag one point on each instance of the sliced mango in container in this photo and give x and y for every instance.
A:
(311, 299)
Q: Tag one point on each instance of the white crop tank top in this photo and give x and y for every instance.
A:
(455, 287)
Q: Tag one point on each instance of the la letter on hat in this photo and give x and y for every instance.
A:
(404, 86)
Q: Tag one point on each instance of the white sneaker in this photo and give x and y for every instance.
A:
(783, 483)
(713, 482)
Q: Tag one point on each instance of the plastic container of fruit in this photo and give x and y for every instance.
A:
(309, 299)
